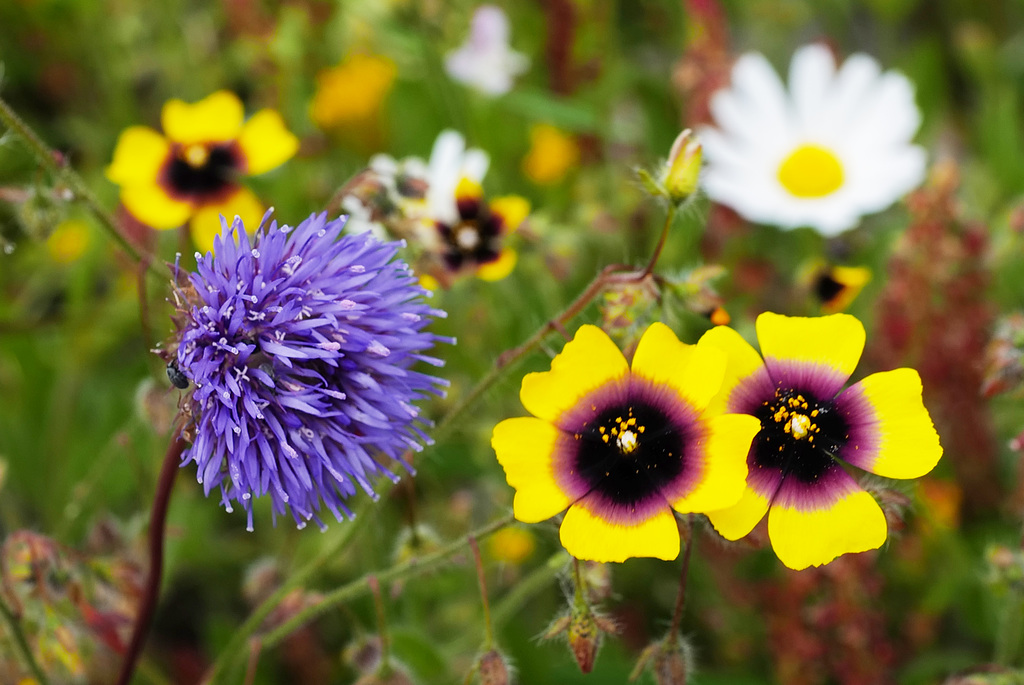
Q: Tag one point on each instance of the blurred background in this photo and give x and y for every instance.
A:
(604, 88)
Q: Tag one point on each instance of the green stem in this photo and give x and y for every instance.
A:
(52, 162)
(537, 580)
(488, 630)
(256, 618)
(22, 643)
(670, 216)
(382, 628)
(677, 615)
(361, 586)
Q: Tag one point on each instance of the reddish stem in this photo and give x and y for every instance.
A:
(157, 530)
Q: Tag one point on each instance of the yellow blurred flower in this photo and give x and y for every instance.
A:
(353, 91)
(512, 545)
(191, 172)
(68, 241)
(552, 154)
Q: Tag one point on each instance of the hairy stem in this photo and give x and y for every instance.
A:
(361, 586)
(53, 162)
(488, 630)
(677, 616)
(157, 530)
(21, 642)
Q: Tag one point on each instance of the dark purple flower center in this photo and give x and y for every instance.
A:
(800, 435)
(628, 452)
(474, 239)
(202, 171)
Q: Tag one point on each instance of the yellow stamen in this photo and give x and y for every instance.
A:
(627, 442)
(811, 171)
(196, 155)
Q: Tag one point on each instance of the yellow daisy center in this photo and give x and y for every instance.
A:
(811, 171)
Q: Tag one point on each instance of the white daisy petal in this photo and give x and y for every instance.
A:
(810, 79)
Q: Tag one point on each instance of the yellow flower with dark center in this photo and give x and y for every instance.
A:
(353, 91)
(623, 446)
(552, 154)
(475, 241)
(836, 287)
(811, 428)
(192, 171)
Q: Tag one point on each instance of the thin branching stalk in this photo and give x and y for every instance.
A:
(670, 216)
(54, 162)
(537, 580)
(20, 641)
(260, 613)
(157, 530)
(481, 579)
(360, 586)
(677, 616)
(382, 627)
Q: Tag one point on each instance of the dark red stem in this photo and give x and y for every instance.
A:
(157, 530)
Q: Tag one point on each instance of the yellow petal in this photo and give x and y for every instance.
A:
(525, 448)
(891, 433)
(151, 205)
(512, 209)
(833, 343)
(693, 371)
(743, 367)
(590, 537)
(814, 537)
(215, 118)
(206, 223)
(266, 142)
(139, 156)
(499, 268)
(586, 363)
(738, 520)
(725, 464)
(468, 189)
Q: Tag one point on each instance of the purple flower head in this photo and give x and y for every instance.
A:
(300, 345)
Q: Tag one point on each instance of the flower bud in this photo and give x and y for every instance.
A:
(669, 659)
(679, 177)
(493, 669)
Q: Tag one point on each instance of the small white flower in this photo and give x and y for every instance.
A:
(835, 146)
(485, 61)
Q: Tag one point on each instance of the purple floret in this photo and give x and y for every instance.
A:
(301, 345)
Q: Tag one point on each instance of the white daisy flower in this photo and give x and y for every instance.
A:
(834, 147)
(485, 61)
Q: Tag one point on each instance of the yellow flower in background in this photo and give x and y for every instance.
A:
(192, 171)
(68, 241)
(623, 445)
(512, 545)
(836, 287)
(552, 154)
(353, 91)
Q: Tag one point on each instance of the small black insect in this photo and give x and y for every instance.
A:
(177, 378)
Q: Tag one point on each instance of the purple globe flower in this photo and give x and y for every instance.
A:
(301, 345)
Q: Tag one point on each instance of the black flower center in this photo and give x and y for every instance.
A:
(475, 239)
(629, 452)
(827, 288)
(202, 171)
(800, 435)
